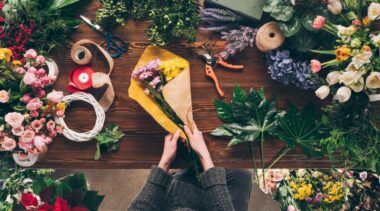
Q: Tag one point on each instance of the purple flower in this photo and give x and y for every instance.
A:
(363, 175)
(148, 71)
(237, 40)
(155, 82)
(318, 198)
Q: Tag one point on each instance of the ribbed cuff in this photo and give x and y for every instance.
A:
(159, 177)
(213, 176)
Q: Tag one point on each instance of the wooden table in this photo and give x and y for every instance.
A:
(143, 143)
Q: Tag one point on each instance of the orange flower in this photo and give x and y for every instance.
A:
(366, 21)
(343, 53)
(366, 48)
(61, 106)
(16, 63)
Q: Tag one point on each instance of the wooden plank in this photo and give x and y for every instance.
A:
(142, 145)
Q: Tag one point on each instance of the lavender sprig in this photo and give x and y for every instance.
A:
(216, 19)
(237, 40)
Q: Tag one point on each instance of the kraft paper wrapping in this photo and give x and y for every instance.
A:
(177, 92)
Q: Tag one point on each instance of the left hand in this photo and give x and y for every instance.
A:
(170, 151)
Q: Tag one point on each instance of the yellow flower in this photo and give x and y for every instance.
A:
(5, 53)
(343, 53)
(366, 21)
(172, 68)
(303, 191)
(61, 106)
(334, 192)
(16, 63)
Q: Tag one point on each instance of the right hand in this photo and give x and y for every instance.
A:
(199, 146)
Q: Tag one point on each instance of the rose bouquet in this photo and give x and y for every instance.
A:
(27, 108)
(356, 63)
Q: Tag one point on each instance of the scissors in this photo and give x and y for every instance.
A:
(115, 45)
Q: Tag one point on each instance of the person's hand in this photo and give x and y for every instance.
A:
(170, 151)
(198, 144)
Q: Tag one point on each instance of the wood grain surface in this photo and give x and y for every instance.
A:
(143, 143)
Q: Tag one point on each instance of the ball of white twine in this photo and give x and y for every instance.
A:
(100, 118)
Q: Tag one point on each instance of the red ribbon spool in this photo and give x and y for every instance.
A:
(80, 79)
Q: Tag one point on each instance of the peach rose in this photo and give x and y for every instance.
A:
(55, 96)
(34, 104)
(9, 144)
(319, 22)
(315, 66)
(14, 119)
(4, 96)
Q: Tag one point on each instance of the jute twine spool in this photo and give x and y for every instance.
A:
(269, 37)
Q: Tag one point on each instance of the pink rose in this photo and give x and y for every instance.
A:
(34, 114)
(50, 125)
(59, 129)
(37, 125)
(40, 59)
(34, 104)
(60, 113)
(32, 70)
(356, 22)
(4, 96)
(30, 54)
(2, 137)
(41, 93)
(315, 66)
(9, 144)
(52, 133)
(39, 142)
(18, 131)
(27, 146)
(29, 78)
(48, 140)
(42, 120)
(37, 84)
(55, 96)
(41, 72)
(319, 22)
(20, 70)
(28, 135)
(26, 98)
(291, 208)
(14, 119)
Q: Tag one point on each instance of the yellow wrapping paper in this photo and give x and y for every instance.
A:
(177, 92)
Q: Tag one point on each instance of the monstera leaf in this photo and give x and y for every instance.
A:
(246, 117)
(291, 27)
(301, 129)
(280, 10)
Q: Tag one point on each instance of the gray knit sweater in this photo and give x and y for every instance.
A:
(162, 192)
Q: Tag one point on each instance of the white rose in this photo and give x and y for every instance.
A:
(315, 174)
(343, 94)
(358, 86)
(335, 7)
(375, 39)
(350, 77)
(333, 77)
(362, 59)
(9, 199)
(300, 172)
(374, 11)
(373, 80)
(322, 92)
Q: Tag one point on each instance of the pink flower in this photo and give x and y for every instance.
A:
(315, 66)
(39, 142)
(34, 104)
(319, 22)
(14, 119)
(34, 114)
(32, 70)
(9, 144)
(50, 125)
(291, 208)
(52, 133)
(356, 22)
(363, 175)
(2, 137)
(40, 59)
(28, 136)
(41, 93)
(37, 125)
(55, 96)
(30, 54)
(4, 96)
(20, 70)
(59, 129)
(60, 113)
(41, 72)
(25, 145)
(277, 176)
(26, 98)
(29, 78)
(48, 140)
(18, 131)
(318, 198)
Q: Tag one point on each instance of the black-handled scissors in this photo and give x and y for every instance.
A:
(115, 45)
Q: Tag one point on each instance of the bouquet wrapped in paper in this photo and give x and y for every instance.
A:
(160, 83)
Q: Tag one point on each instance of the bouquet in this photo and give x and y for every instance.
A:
(356, 63)
(27, 107)
(161, 85)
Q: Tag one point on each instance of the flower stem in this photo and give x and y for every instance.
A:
(262, 155)
(283, 153)
(254, 163)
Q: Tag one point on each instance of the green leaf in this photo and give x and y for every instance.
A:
(280, 10)
(291, 27)
(224, 111)
(235, 141)
(221, 131)
(300, 129)
(108, 140)
(59, 4)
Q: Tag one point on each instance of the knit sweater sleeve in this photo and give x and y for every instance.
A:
(153, 194)
(217, 196)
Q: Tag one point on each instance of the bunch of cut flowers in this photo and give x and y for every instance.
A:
(28, 107)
